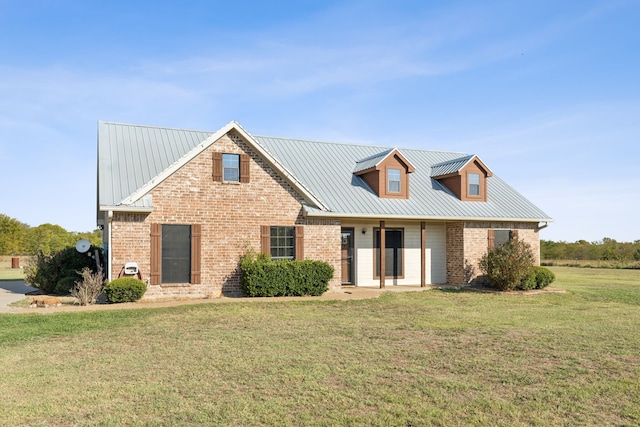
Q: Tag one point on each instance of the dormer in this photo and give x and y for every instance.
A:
(466, 177)
(386, 173)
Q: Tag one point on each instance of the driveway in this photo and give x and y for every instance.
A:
(12, 291)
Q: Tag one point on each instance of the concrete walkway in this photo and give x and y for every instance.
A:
(12, 291)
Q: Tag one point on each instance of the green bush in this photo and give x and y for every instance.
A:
(508, 265)
(65, 285)
(538, 278)
(262, 277)
(45, 271)
(544, 277)
(529, 282)
(125, 289)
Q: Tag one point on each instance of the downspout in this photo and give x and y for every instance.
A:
(109, 248)
(540, 227)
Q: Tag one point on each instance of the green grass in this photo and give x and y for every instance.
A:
(8, 273)
(11, 274)
(428, 358)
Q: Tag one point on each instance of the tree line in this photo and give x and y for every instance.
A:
(17, 238)
(606, 250)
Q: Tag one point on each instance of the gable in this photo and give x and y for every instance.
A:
(133, 160)
(465, 177)
(386, 173)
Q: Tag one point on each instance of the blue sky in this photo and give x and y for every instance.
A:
(547, 93)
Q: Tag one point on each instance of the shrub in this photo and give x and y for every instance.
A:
(125, 289)
(87, 290)
(538, 278)
(65, 285)
(507, 265)
(262, 277)
(528, 282)
(45, 271)
(544, 277)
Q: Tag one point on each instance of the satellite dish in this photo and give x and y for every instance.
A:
(83, 245)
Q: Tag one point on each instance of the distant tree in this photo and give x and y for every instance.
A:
(48, 239)
(12, 236)
(17, 238)
(606, 249)
(94, 237)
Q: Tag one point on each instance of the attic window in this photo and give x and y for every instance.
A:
(231, 167)
(474, 184)
(393, 180)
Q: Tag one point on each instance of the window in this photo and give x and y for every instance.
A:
(500, 237)
(393, 180)
(283, 243)
(393, 253)
(474, 184)
(176, 253)
(231, 167)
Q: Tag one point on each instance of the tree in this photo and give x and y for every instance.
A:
(17, 238)
(48, 239)
(12, 236)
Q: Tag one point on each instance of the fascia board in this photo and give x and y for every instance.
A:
(316, 214)
(396, 152)
(121, 208)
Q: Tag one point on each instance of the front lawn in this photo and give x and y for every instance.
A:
(425, 358)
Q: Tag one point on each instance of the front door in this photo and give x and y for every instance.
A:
(347, 256)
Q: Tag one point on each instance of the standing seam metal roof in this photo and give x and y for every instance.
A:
(131, 156)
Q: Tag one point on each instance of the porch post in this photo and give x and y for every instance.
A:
(383, 247)
(423, 253)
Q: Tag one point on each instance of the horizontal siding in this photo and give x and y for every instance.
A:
(435, 253)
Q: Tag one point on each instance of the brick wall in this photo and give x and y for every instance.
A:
(467, 242)
(230, 215)
(455, 253)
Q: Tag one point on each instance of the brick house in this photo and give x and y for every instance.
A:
(184, 206)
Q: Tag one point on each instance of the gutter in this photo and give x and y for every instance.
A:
(125, 208)
(320, 214)
(540, 227)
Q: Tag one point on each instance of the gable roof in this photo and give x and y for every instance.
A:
(374, 161)
(133, 159)
(327, 170)
(456, 165)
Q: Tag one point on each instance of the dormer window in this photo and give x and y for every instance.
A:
(386, 174)
(393, 180)
(466, 177)
(473, 180)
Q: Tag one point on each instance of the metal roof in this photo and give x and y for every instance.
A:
(371, 161)
(133, 158)
(450, 166)
(130, 156)
(327, 170)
